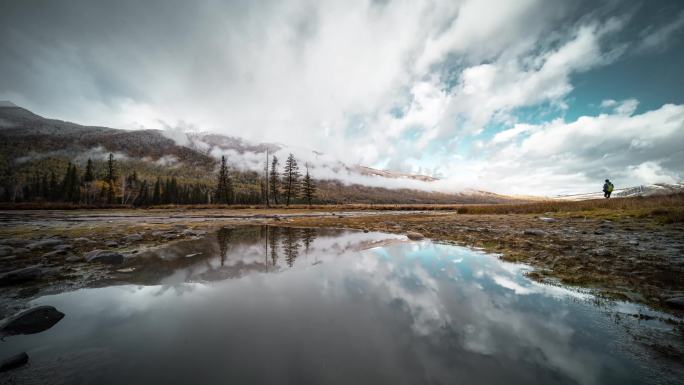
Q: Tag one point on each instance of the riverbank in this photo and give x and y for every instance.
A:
(629, 249)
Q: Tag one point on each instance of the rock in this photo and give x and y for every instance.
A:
(602, 252)
(6, 250)
(63, 247)
(126, 270)
(547, 219)
(414, 236)
(633, 242)
(171, 236)
(133, 238)
(15, 241)
(92, 253)
(82, 240)
(55, 253)
(111, 244)
(157, 233)
(109, 257)
(365, 230)
(21, 275)
(675, 302)
(31, 321)
(535, 232)
(194, 232)
(73, 258)
(13, 362)
(44, 244)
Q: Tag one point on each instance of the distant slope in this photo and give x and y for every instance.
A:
(31, 144)
(643, 190)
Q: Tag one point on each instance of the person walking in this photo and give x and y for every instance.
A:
(607, 189)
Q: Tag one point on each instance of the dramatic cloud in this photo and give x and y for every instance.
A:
(434, 86)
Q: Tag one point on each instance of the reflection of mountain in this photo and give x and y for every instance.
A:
(236, 252)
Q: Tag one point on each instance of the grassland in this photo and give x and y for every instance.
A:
(626, 248)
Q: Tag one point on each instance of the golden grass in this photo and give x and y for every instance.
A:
(669, 203)
(669, 208)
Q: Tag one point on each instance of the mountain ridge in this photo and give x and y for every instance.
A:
(48, 144)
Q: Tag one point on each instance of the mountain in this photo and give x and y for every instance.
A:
(31, 144)
(635, 191)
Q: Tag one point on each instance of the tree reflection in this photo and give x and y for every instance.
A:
(274, 237)
(224, 236)
(291, 245)
(308, 236)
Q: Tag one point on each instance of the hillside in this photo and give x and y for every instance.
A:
(32, 145)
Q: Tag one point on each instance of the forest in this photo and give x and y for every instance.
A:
(113, 186)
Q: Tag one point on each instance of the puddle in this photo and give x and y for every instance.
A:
(268, 305)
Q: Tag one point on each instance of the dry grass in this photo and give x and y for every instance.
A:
(669, 203)
(668, 208)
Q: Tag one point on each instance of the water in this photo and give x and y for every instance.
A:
(259, 305)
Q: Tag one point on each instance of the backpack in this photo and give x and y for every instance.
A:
(610, 187)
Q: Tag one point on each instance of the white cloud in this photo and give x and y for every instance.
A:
(657, 38)
(403, 83)
(560, 156)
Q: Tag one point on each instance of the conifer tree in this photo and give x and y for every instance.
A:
(156, 197)
(274, 182)
(309, 188)
(88, 176)
(143, 195)
(54, 188)
(224, 187)
(291, 176)
(111, 176)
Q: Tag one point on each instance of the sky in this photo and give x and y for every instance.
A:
(538, 97)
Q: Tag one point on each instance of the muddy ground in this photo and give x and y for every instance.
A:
(619, 256)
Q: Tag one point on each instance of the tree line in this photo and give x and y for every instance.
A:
(78, 186)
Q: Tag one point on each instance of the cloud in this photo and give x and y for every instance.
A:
(657, 38)
(411, 85)
(559, 156)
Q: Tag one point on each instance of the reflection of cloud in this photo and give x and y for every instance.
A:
(509, 284)
(488, 322)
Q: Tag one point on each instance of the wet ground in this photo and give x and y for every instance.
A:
(269, 304)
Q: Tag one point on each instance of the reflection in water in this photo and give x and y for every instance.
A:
(360, 309)
(230, 253)
(274, 245)
(223, 238)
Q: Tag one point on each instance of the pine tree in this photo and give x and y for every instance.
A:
(274, 181)
(309, 187)
(143, 195)
(111, 176)
(110, 192)
(44, 188)
(291, 176)
(224, 187)
(89, 177)
(156, 197)
(110, 179)
(54, 187)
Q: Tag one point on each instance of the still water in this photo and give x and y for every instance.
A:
(266, 305)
